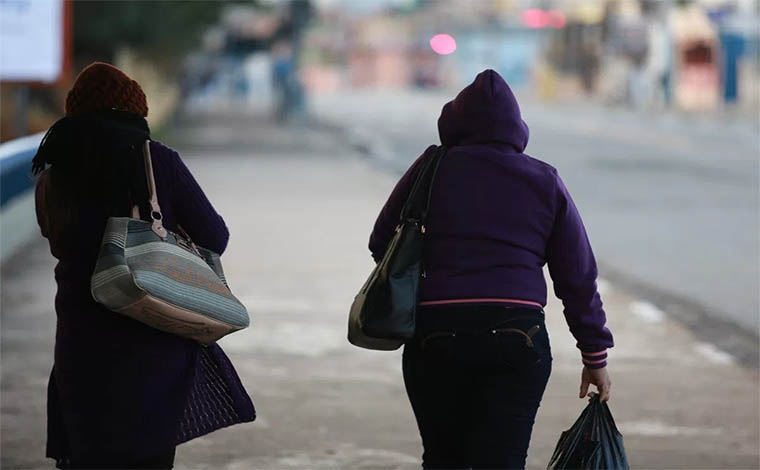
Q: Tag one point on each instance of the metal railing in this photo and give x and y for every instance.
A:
(17, 219)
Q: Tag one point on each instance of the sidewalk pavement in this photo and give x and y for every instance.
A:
(300, 206)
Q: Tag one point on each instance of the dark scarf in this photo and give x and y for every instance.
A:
(74, 140)
(96, 164)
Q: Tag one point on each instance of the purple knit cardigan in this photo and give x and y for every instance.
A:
(118, 388)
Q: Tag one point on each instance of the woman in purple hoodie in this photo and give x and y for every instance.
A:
(480, 363)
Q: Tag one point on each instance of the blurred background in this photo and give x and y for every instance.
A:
(312, 109)
(688, 56)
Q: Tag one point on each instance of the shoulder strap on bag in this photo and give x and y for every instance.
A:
(429, 184)
(155, 209)
(418, 203)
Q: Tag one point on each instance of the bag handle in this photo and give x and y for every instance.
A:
(406, 210)
(423, 185)
(155, 209)
(436, 163)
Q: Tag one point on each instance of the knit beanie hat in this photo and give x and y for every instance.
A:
(102, 86)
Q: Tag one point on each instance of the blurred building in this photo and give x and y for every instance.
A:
(389, 46)
(693, 55)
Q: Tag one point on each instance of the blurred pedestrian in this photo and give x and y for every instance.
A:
(284, 80)
(122, 394)
(477, 370)
(659, 62)
(589, 68)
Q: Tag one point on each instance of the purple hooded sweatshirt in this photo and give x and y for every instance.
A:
(497, 216)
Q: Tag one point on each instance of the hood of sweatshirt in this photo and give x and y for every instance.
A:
(486, 111)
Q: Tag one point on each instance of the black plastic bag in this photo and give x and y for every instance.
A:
(593, 442)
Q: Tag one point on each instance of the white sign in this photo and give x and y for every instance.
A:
(31, 40)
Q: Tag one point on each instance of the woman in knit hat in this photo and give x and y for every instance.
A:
(122, 394)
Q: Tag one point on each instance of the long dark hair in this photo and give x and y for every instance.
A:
(95, 165)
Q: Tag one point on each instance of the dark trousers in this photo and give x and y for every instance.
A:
(161, 461)
(475, 377)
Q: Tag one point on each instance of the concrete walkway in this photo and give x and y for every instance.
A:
(300, 206)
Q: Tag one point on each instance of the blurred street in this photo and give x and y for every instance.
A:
(300, 203)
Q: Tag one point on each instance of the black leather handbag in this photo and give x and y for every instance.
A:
(384, 311)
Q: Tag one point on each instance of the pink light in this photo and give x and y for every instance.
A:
(443, 44)
(535, 18)
(557, 19)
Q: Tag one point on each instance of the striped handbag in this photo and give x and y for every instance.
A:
(163, 279)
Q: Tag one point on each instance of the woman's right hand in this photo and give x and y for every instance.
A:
(598, 377)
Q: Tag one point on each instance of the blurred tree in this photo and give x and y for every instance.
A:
(157, 29)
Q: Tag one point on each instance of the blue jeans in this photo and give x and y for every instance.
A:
(475, 376)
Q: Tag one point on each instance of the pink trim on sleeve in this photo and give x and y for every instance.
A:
(594, 362)
(594, 353)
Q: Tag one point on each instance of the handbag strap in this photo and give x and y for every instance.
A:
(155, 209)
(417, 204)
